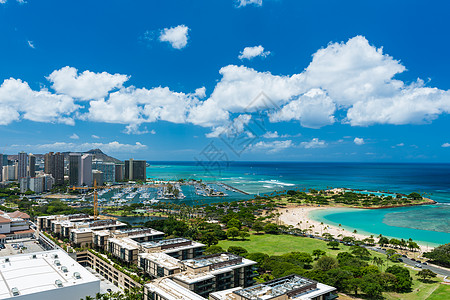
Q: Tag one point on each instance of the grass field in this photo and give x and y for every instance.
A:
(280, 244)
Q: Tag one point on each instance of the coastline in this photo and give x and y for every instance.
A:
(303, 217)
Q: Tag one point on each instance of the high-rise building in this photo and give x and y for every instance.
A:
(31, 165)
(86, 170)
(54, 165)
(75, 169)
(23, 164)
(9, 173)
(107, 168)
(5, 160)
(135, 169)
(98, 177)
(1, 167)
(119, 173)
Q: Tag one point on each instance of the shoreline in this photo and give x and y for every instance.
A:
(300, 217)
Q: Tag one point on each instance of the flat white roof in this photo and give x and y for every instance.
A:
(32, 275)
(162, 259)
(172, 291)
(226, 294)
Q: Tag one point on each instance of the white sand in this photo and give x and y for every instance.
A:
(299, 217)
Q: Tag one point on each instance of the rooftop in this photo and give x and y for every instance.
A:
(294, 286)
(41, 271)
(176, 243)
(172, 291)
(214, 261)
(162, 259)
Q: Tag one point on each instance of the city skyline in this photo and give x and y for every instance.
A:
(145, 81)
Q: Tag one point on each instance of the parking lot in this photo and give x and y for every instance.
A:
(14, 247)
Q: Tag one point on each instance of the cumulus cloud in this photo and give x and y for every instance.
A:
(271, 135)
(358, 141)
(252, 52)
(87, 85)
(18, 100)
(236, 127)
(351, 82)
(314, 143)
(446, 145)
(313, 109)
(272, 147)
(242, 3)
(74, 136)
(177, 36)
(95, 136)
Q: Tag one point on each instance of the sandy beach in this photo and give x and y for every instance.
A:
(299, 216)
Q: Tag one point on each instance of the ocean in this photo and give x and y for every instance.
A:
(428, 224)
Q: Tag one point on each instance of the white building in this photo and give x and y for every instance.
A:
(49, 275)
(86, 169)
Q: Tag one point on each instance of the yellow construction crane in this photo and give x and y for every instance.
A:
(94, 188)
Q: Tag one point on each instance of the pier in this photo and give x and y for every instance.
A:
(233, 189)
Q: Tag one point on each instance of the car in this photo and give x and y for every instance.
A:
(424, 263)
(400, 260)
(413, 259)
(418, 265)
(109, 290)
(418, 261)
(404, 255)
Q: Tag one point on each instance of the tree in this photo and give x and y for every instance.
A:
(415, 196)
(378, 261)
(237, 250)
(209, 239)
(271, 228)
(258, 227)
(383, 241)
(404, 280)
(214, 249)
(425, 274)
(360, 252)
(326, 263)
(234, 223)
(232, 233)
(353, 285)
(318, 253)
(348, 239)
(371, 286)
(244, 233)
(440, 255)
(333, 244)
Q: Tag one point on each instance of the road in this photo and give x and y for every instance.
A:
(410, 262)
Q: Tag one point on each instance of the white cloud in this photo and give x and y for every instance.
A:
(152, 131)
(272, 147)
(242, 3)
(314, 143)
(252, 52)
(31, 44)
(236, 127)
(18, 100)
(271, 135)
(446, 145)
(358, 141)
(95, 136)
(74, 136)
(313, 109)
(177, 36)
(87, 85)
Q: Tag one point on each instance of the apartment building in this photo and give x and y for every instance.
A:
(292, 287)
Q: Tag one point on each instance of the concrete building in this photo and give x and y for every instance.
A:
(166, 289)
(54, 165)
(119, 172)
(98, 177)
(50, 275)
(75, 169)
(31, 165)
(86, 170)
(14, 225)
(216, 272)
(135, 169)
(9, 173)
(179, 248)
(107, 168)
(1, 167)
(22, 165)
(292, 287)
(82, 233)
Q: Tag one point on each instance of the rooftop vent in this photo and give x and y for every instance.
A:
(15, 291)
(6, 260)
(77, 275)
(33, 256)
(55, 255)
(64, 269)
(57, 263)
(58, 283)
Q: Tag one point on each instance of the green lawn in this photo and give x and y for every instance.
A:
(280, 244)
(442, 292)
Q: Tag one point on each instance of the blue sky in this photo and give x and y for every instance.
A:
(250, 79)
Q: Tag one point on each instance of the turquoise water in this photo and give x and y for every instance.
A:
(428, 224)
(404, 222)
